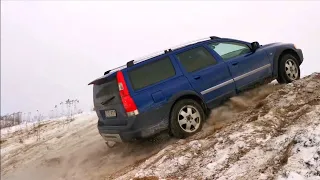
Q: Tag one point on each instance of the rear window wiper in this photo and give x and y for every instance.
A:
(107, 101)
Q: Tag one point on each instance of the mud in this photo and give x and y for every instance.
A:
(227, 112)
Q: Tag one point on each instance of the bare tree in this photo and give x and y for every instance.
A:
(19, 119)
(68, 104)
(38, 126)
(56, 111)
(71, 108)
(76, 101)
(13, 115)
(62, 109)
(28, 121)
(11, 120)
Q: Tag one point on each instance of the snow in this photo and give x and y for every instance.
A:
(293, 176)
(26, 126)
(305, 158)
(51, 132)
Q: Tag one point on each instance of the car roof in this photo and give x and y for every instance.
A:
(150, 56)
(159, 53)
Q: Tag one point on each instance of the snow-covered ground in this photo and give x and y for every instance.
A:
(29, 125)
(23, 145)
(278, 137)
(271, 132)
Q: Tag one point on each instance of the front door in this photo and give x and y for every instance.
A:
(245, 66)
(207, 76)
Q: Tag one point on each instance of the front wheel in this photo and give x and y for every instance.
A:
(186, 119)
(289, 69)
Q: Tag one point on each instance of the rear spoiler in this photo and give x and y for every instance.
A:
(108, 73)
(96, 81)
(105, 77)
(99, 80)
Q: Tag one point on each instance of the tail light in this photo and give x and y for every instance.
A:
(127, 101)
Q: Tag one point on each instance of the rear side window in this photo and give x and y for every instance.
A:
(151, 73)
(196, 59)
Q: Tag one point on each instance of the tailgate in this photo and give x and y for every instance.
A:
(108, 104)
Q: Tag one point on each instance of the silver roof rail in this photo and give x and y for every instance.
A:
(189, 43)
(114, 69)
(172, 48)
(155, 54)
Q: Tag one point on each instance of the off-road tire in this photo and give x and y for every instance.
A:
(175, 128)
(283, 77)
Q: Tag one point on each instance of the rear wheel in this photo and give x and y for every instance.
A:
(289, 69)
(186, 119)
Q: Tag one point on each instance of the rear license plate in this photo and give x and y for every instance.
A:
(111, 113)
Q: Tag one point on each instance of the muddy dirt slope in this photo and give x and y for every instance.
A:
(271, 132)
(257, 136)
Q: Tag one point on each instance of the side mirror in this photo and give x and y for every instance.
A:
(254, 46)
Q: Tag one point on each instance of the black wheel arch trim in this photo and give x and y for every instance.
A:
(279, 52)
(187, 93)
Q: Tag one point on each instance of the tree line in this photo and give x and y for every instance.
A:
(67, 108)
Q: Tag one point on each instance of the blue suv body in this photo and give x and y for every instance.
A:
(176, 89)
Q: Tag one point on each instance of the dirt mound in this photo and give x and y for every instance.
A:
(73, 151)
(263, 134)
(228, 112)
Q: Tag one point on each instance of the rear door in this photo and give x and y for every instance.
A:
(152, 83)
(245, 66)
(207, 75)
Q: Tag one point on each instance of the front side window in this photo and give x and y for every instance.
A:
(151, 73)
(196, 59)
(228, 50)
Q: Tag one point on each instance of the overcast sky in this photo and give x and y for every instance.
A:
(51, 50)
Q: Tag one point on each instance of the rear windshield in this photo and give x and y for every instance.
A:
(106, 93)
(109, 87)
(151, 73)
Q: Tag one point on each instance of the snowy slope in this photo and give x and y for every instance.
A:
(278, 137)
(271, 132)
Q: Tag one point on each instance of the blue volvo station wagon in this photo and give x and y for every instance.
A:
(175, 89)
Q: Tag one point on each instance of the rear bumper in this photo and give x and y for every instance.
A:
(122, 135)
(143, 125)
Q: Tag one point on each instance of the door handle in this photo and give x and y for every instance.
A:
(197, 77)
(234, 63)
